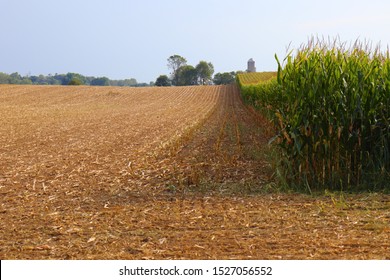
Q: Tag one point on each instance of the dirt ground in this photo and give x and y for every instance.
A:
(161, 173)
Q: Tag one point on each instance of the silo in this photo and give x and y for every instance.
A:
(251, 66)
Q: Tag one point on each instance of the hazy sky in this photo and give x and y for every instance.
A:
(133, 38)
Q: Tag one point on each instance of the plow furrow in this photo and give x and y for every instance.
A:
(158, 173)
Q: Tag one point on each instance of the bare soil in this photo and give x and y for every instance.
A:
(161, 173)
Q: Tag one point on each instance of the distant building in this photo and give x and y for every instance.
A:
(251, 66)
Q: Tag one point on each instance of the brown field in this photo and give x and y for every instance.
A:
(161, 173)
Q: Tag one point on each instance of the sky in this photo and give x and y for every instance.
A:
(122, 39)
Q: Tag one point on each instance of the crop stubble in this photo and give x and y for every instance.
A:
(160, 173)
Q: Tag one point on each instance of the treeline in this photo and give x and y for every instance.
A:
(183, 74)
(66, 79)
(226, 78)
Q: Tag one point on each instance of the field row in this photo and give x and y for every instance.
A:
(55, 132)
(254, 78)
(160, 173)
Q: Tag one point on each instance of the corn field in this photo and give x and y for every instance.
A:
(151, 173)
(331, 106)
(254, 78)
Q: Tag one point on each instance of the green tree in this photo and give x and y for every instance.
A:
(205, 71)
(4, 78)
(162, 81)
(15, 78)
(26, 81)
(75, 82)
(73, 76)
(225, 78)
(130, 82)
(187, 76)
(41, 80)
(124, 83)
(103, 81)
(175, 62)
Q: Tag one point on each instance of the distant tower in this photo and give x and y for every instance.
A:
(251, 65)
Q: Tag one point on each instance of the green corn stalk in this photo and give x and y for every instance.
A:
(331, 105)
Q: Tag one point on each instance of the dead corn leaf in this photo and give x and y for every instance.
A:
(92, 239)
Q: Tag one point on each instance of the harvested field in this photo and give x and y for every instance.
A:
(161, 173)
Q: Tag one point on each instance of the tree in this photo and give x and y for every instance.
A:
(75, 82)
(66, 79)
(162, 81)
(124, 83)
(205, 71)
(130, 82)
(26, 81)
(15, 78)
(224, 78)
(4, 78)
(187, 76)
(103, 81)
(175, 62)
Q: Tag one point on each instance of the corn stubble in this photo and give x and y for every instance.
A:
(161, 173)
(110, 172)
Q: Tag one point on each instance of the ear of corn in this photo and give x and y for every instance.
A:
(331, 105)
